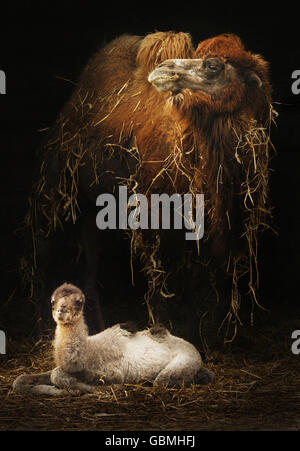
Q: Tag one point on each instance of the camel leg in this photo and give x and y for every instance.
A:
(62, 379)
(183, 369)
(36, 384)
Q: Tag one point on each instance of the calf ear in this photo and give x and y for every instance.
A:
(253, 79)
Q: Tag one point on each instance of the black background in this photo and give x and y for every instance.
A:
(44, 43)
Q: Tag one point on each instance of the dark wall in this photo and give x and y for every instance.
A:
(47, 43)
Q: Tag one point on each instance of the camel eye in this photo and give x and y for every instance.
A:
(78, 303)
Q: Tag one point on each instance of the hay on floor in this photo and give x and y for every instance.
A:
(257, 388)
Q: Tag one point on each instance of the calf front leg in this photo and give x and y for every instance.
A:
(62, 379)
(36, 384)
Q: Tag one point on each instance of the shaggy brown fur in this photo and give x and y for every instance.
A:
(118, 125)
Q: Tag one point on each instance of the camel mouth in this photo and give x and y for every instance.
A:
(163, 78)
(64, 319)
(61, 317)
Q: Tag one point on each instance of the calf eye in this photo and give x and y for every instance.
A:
(78, 303)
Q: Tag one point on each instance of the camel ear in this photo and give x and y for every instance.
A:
(253, 79)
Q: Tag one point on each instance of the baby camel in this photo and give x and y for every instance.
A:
(114, 356)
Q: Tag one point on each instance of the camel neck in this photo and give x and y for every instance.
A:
(66, 331)
(70, 345)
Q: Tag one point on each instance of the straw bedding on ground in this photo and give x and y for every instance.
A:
(257, 388)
